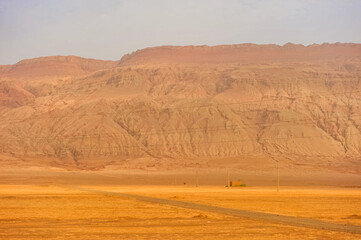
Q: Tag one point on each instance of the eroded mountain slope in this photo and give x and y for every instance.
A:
(165, 113)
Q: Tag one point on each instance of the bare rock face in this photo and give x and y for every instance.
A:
(12, 95)
(55, 66)
(167, 107)
(241, 53)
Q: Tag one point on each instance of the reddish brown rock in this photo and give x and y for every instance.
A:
(243, 106)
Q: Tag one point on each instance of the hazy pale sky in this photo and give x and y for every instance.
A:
(108, 29)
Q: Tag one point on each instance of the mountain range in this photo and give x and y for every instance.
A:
(244, 106)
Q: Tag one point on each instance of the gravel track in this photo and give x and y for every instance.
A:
(252, 215)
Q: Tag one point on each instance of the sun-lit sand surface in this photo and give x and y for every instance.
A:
(58, 212)
(329, 204)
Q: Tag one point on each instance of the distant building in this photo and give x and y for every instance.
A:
(235, 183)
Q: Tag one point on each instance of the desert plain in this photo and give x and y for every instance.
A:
(53, 212)
(58, 204)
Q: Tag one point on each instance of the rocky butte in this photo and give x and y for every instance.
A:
(243, 106)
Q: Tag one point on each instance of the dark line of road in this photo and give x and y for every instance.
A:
(252, 215)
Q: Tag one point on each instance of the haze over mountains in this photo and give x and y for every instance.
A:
(168, 107)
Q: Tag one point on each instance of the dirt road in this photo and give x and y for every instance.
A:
(253, 215)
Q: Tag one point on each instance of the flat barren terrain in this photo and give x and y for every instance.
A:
(112, 212)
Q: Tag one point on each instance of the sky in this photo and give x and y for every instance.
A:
(108, 29)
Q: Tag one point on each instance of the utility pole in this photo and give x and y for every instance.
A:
(278, 171)
(228, 182)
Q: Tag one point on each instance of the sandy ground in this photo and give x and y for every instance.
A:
(58, 212)
(176, 177)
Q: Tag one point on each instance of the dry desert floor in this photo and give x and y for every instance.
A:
(161, 212)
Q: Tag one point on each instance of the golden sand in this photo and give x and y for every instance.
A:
(57, 212)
